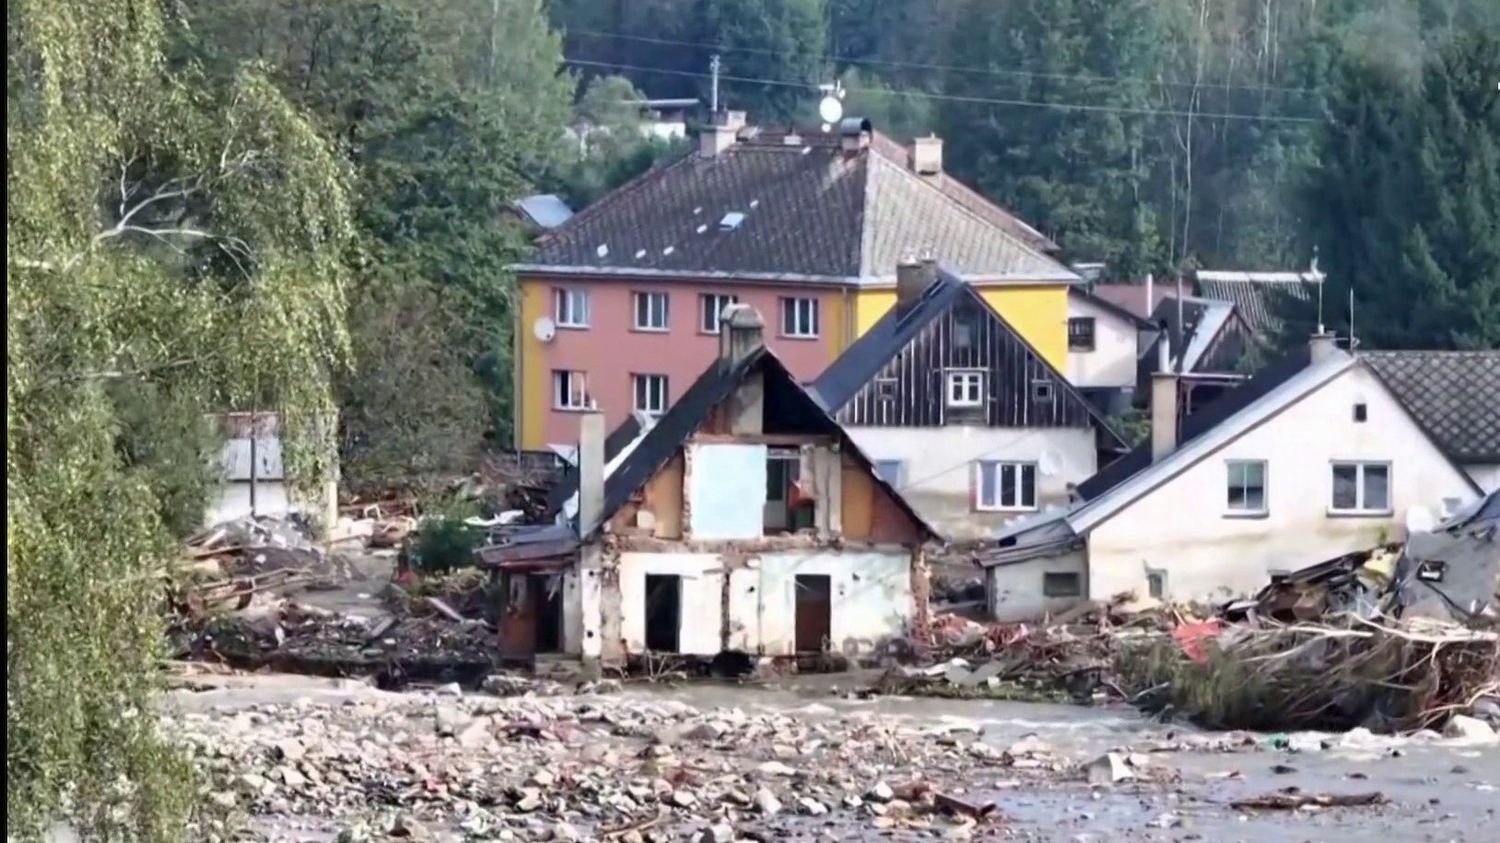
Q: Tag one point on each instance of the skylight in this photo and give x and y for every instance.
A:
(731, 221)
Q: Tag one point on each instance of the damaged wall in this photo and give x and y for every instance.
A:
(1018, 592)
(726, 490)
(871, 600)
(1203, 551)
(868, 513)
(701, 601)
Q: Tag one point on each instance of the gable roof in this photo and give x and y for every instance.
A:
(868, 355)
(1451, 394)
(1258, 296)
(1104, 304)
(649, 453)
(811, 212)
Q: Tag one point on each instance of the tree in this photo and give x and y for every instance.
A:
(190, 238)
(1405, 201)
(779, 44)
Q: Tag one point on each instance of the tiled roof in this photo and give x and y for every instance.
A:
(810, 212)
(1258, 296)
(1132, 297)
(1453, 395)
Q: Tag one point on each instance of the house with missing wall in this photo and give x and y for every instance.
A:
(1312, 457)
(744, 520)
(959, 411)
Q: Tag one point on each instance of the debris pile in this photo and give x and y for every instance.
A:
(577, 767)
(238, 563)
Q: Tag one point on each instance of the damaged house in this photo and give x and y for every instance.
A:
(745, 519)
(1312, 457)
(960, 412)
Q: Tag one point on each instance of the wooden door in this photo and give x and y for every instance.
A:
(814, 612)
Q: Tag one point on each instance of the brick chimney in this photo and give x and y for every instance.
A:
(927, 156)
(1164, 431)
(913, 277)
(721, 133)
(741, 332)
(590, 472)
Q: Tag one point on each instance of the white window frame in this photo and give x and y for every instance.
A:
(964, 389)
(568, 395)
(1017, 487)
(1361, 506)
(1265, 488)
(651, 299)
(653, 389)
(1093, 338)
(570, 307)
(710, 307)
(799, 318)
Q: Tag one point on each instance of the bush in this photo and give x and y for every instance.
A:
(444, 543)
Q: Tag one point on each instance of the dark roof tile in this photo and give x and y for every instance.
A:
(1453, 395)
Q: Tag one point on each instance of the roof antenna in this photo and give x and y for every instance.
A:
(1352, 341)
(1317, 276)
(713, 85)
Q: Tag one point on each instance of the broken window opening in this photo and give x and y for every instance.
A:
(788, 509)
(663, 613)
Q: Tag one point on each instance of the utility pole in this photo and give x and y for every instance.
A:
(713, 85)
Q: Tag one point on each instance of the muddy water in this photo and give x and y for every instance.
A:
(1439, 790)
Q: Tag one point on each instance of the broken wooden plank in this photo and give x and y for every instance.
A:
(445, 610)
(1291, 801)
(960, 807)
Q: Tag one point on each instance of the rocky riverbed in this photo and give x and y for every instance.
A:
(342, 761)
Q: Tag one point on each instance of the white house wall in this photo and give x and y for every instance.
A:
(726, 491)
(937, 467)
(702, 598)
(1182, 529)
(1015, 591)
(870, 594)
(233, 500)
(1113, 360)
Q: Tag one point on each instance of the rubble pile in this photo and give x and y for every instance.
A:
(590, 767)
(237, 563)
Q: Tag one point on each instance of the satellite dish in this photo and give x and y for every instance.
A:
(830, 109)
(1419, 519)
(544, 329)
(1050, 463)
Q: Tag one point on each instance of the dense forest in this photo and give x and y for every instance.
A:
(300, 205)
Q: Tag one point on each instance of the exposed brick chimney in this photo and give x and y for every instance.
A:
(721, 133)
(913, 277)
(927, 156)
(590, 472)
(741, 332)
(1164, 431)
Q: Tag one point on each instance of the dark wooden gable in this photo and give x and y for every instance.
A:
(1020, 388)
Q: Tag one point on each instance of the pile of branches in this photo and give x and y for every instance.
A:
(1345, 672)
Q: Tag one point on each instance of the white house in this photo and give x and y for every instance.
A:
(959, 412)
(743, 520)
(1310, 458)
(1104, 345)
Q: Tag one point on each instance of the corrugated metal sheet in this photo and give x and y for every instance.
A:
(235, 459)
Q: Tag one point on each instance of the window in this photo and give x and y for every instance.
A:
(799, 317)
(1361, 412)
(1156, 584)
(713, 306)
(569, 390)
(1081, 333)
(963, 329)
(650, 393)
(1361, 487)
(1246, 486)
(570, 308)
(650, 311)
(885, 389)
(1041, 390)
(1007, 486)
(1061, 585)
(889, 471)
(965, 389)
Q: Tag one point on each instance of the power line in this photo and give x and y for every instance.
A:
(1063, 106)
(989, 71)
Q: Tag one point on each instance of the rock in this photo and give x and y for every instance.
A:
(543, 778)
(528, 799)
(353, 834)
(811, 807)
(290, 749)
(505, 685)
(775, 768)
(1030, 745)
(449, 720)
(476, 735)
(1304, 742)
(852, 802)
(767, 803)
(708, 730)
(564, 832)
(223, 798)
(290, 776)
(452, 689)
(1167, 820)
(684, 798)
(406, 827)
(1283, 769)
(1464, 727)
(717, 833)
(1109, 768)
(880, 792)
(254, 784)
(601, 686)
(1459, 770)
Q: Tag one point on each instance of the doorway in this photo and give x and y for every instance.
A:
(532, 619)
(663, 613)
(814, 612)
(546, 601)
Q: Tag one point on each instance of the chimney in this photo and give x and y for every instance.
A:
(1163, 402)
(854, 134)
(721, 133)
(913, 277)
(1150, 296)
(1320, 346)
(590, 472)
(741, 332)
(927, 156)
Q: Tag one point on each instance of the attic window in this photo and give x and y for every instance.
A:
(1041, 390)
(1361, 411)
(885, 389)
(731, 221)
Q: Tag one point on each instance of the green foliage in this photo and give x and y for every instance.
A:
(167, 443)
(444, 542)
(607, 146)
(179, 240)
